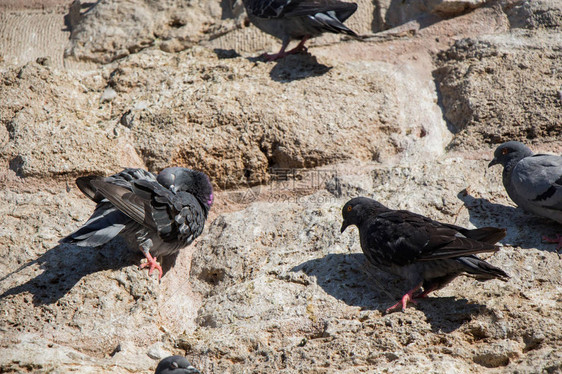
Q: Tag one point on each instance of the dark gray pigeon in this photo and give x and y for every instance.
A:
(532, 181)
(175, 365)
(158, 214)
(425, 252)
(298, 19)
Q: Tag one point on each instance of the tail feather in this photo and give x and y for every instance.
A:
(481, 269)
(345, 11)
(332, 23)
(105, 224)
(489, 235)
(85, 185)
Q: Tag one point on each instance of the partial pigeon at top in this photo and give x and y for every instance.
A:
(299, 19)
(425, 252)
(532, 181)
(175, 365)
(160, 214)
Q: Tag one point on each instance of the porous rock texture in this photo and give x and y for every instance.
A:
(408, 114)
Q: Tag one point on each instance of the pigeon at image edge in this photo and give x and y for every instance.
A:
(298, 20)
(532, 181)
(175, 365)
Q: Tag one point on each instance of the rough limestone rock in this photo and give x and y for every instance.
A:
(112, 29)
(503, 87)
(272, 285)
(190, 109)
(52, 125)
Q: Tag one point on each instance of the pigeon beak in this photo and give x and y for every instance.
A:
(493, 162)
(344, 226)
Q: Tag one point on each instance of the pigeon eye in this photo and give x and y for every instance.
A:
(349, 208)
(174, 365)
(505, 151)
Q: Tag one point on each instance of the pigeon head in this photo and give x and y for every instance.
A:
(175, 365)
(356, 210)
(508, 152)
(195, 182)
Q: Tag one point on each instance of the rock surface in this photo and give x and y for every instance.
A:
(408, 116)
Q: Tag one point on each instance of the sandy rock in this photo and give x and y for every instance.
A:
(193, 111)
(113, 29)
(498, 88)
(272, 128)
(273, 285)
(423, 11)
(544, 14)
(455, 7)
(55, 127)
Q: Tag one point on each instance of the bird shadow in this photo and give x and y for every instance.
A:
(296, 67)
(524, 230)
(65, 265)
(351, 279)
(225, 54)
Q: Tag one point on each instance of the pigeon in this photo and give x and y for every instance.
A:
(175, 365)
(532, 181)
(158, 214)
(425, 252)
(298, 19)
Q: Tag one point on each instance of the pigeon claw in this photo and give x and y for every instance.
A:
(408, 297)
(282, 53)
(557, 240)
(152, 264)
(403, 302)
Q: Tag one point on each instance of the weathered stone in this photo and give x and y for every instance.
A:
(273, 286)
(502, 87)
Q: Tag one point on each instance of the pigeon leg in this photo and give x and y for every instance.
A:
(282, 53)
(404, 301)
(300, 47)
(425, 293)
(152, 263)
(278, 55)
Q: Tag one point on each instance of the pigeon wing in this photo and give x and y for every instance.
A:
(538, 179)
(490, 235)
(189, 217)
(173, 216)
(123, 179)
(408, 237)
(297, 8)
(124, 199)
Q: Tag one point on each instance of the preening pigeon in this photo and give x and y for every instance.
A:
(159, 214)
(175, 365)
(532, 181)
(298, 19)
(425, 252)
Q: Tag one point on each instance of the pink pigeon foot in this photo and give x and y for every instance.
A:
(151, 261)
(276, 56)
(408, 297)
(556, 240)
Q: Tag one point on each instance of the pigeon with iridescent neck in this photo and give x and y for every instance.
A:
(532, 181)
(158, 214)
